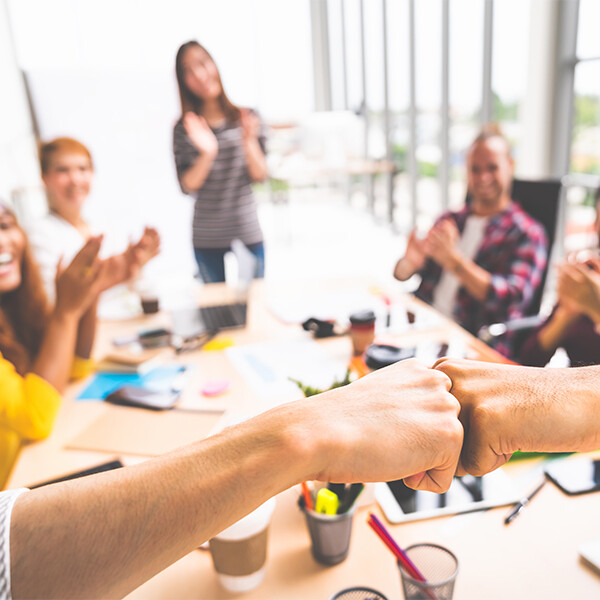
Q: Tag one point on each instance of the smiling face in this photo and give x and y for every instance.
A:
(489, 176)
(12, 246)
(68, 179)
(200, 74)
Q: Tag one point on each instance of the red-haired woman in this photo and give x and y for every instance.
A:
(67, 172)
(40, 348)
(219, 152)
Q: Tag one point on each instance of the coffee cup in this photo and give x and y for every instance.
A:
(362, 330)
(239, 553)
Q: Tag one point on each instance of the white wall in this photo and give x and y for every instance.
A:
(102, 71)
(18, 163)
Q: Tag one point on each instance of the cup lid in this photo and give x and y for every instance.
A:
(363, 317)
(378, 356)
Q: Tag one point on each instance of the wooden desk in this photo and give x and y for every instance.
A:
(535, 557)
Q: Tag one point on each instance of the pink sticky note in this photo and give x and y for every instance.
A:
(214, 387)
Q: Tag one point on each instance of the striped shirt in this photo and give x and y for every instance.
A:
(225, 207)
(7, 500)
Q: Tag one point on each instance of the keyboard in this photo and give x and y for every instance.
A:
(224, 316)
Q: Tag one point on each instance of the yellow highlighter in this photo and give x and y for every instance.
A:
(327, 502)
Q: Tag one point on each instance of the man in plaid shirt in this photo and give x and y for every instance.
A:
(482, 264)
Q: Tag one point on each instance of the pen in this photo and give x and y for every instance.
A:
(522, 504)
(350, 496)
(308, 501)
(401, 556)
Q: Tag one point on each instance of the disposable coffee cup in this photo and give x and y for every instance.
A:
(329, 535)
(239, 553)
(362, 330)
(148, 298)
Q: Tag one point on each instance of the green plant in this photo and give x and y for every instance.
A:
(308, 391)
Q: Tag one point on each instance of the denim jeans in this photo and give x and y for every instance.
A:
(211, 263)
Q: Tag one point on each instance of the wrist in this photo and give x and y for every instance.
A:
(456, 264)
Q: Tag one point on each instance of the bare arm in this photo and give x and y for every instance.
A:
(413, 259)
(86, 332)
(102, 536)
(75, 293)
(551, 335)
(255, 157)
(474, 278)
(505, 408)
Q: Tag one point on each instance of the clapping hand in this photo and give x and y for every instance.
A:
(441, 241)
(201, 134)
(78, 284)
(250, 124)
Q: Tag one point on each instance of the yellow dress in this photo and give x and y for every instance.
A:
(28, 407)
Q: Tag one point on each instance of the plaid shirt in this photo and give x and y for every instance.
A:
(515, 252)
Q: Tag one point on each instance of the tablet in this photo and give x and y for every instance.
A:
(466, 494)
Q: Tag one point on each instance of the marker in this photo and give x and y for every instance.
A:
(514, 513)
(350, 497)
(327, 502)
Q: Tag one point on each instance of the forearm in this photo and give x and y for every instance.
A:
(255, 160)
(86, 332)
(193, 179)
(55, 358)
(551, 335)
(404, 269)
(105, 535)
(472, 277)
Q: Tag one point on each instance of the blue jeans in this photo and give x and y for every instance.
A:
(211, 263)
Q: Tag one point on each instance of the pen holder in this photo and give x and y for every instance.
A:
(329, 535)
(439, 568)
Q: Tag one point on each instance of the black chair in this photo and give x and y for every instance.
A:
(541, 199)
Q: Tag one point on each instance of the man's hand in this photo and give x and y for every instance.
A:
(505, 408)
(398, 422)
(414, 258)
(441, 242)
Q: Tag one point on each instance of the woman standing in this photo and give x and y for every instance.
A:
(219, 152)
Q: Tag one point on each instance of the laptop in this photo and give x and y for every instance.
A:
(190, 324)
(193, 322)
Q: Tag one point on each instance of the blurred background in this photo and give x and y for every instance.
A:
(370, 106)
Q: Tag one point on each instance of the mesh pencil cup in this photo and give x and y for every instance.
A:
(329, 535)
(438, 566)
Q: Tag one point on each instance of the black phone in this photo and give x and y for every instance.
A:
(154, 338)
(130, 395)
(575, 476)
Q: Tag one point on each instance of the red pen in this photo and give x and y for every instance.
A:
(308, 501)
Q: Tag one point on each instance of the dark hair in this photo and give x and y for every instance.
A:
(189, 100)
(23, 311)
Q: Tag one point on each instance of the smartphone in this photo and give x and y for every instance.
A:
(154, 338)
(575, 476)
(129, 395)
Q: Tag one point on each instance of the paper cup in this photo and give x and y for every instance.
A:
(239, 553)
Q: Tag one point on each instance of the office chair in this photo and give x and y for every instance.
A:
(540, 199)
